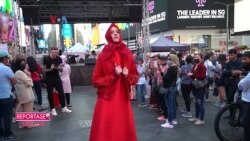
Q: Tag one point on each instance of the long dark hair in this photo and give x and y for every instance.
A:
(32, 64)
(222, 58)
(17, 65)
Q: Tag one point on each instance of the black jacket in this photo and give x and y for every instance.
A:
(170, 78)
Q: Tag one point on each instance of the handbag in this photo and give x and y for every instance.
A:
(199, 83)
(163, 90)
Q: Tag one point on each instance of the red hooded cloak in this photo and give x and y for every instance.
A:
(113, 118)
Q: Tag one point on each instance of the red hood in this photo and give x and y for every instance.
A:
(108, 35)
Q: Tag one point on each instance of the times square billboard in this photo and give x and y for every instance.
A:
(167, 15)
(204, 14)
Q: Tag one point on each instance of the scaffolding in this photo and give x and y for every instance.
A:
(145, 34)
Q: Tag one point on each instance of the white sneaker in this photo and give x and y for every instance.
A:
(193, 119)
(187, 115)
(174, 122)
(167, 125)
(199, 122)
(53, 112)
(66, 110)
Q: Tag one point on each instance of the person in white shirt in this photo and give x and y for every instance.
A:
(209, 73)
(245, 88)
(141, 82)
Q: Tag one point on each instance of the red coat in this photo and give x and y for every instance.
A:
(199, 73)
(113, 117)
(36, 75)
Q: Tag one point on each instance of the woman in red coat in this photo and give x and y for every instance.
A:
(114, 73)
(199, 73)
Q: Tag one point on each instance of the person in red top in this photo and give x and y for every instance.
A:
(115, 71)
(36, 73)
(199, 73)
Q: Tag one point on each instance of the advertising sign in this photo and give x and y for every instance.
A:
(157, 15)
(242, 10)
(51, 35)
(67, 35)
(198, 13)
(83, 34)
(7, 29)
(6, 6)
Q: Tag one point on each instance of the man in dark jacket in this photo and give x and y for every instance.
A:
(231, 75)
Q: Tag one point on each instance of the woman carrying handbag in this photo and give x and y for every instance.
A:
(198, 75)
(169, 84)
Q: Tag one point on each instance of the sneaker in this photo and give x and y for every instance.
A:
(174, 122)
(41, 108)
(161, 118)
(69, 106)
(53, 112)
(147, 96)
(207, 100)
(199, 122)
(142, 105)
(220, 105)
(167, 125)
(66, 110)
(193, 119)
(183, 111)
(187, 115)
(152, 107)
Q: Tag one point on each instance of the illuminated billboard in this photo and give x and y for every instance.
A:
(67, 35)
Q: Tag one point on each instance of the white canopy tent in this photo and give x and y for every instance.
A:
(78, 48)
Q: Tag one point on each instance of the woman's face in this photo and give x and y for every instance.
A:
(197, 59)
(139, 62)
(163, 62)
(115, 34)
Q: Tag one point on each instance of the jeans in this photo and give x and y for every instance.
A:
(6, 112)
(199, 104)
(160, 98)
(57, 84)
(67, 95)
(140, 93)
(186, 91)
(246, 121)
(210, 82)
(171, 104)
(38, 89)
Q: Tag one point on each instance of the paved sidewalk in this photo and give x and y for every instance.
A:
(75, 126)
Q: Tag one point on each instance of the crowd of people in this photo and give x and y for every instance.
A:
(196, 78)
(20, 77)
(119, 77)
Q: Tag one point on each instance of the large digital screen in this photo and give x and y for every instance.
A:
(241, 14)
(6, 6)
(157, 15)
(7, 29)
(51, 34)
(158, 19)
(198, 13)
(67, 35)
